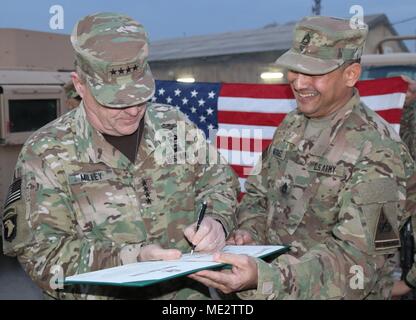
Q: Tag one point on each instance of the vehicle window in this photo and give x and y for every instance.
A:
(30, 115)
(388, 71)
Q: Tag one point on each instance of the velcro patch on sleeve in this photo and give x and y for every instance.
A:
(14, 193)
(376, 191)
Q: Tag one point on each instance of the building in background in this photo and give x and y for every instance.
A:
(242, 56)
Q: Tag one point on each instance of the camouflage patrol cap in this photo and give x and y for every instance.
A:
(322, 44)
(112, 50)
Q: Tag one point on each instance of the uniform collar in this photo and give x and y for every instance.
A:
(92, 147)
(337, 119)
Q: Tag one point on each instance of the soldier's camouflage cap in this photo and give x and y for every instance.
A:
(322, 44)
(112, 50)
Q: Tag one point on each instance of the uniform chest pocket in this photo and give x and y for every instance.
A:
(106, 204)
(328, 181)
(289, 195)
(169, 196)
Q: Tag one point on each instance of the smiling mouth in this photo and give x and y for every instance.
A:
(307, 94)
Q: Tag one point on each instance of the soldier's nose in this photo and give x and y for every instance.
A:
(301, 82)
(132, 111)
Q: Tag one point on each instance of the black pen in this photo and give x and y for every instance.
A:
(201, 215)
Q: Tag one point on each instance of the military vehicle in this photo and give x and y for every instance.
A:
(389, 64)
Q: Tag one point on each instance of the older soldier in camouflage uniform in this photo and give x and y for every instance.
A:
(89, 191)
(332, 184)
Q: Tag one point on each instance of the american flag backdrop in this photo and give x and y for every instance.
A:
(245, 116)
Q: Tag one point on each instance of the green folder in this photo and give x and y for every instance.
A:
(147, 273)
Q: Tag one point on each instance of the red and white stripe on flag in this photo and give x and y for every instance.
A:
(248, 115)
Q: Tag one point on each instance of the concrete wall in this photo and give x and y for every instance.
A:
(26, 49)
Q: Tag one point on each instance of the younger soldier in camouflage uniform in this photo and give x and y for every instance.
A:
(89, 190)
(332, 184)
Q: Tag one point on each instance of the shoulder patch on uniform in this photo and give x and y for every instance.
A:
(9, 225)
(14, 193)
(385, 237)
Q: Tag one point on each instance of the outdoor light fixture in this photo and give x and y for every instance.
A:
(186, 79)
(271, 75)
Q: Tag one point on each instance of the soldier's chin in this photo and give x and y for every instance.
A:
(128, 129)
(309, 110)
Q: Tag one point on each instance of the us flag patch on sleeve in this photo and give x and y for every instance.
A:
(14, 193)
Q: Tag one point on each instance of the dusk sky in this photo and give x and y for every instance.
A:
(166, 19)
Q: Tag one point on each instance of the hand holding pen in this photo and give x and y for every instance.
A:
(207, 234)
(199, 220)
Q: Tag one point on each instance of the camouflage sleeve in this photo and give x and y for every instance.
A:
(47, 241)
(411, 212)
(408, 135)
(353, 261)
(408, 128)
(411, 276)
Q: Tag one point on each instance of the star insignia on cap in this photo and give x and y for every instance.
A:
(121, 70)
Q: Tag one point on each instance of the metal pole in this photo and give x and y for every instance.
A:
(316, 8)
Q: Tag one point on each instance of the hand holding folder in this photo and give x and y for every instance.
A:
(142, 274)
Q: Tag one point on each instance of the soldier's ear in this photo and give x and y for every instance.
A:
(79, 85)
(352, 74)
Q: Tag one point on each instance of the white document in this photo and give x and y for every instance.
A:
(145, 273)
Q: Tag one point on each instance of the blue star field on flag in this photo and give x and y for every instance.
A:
(198, 101)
